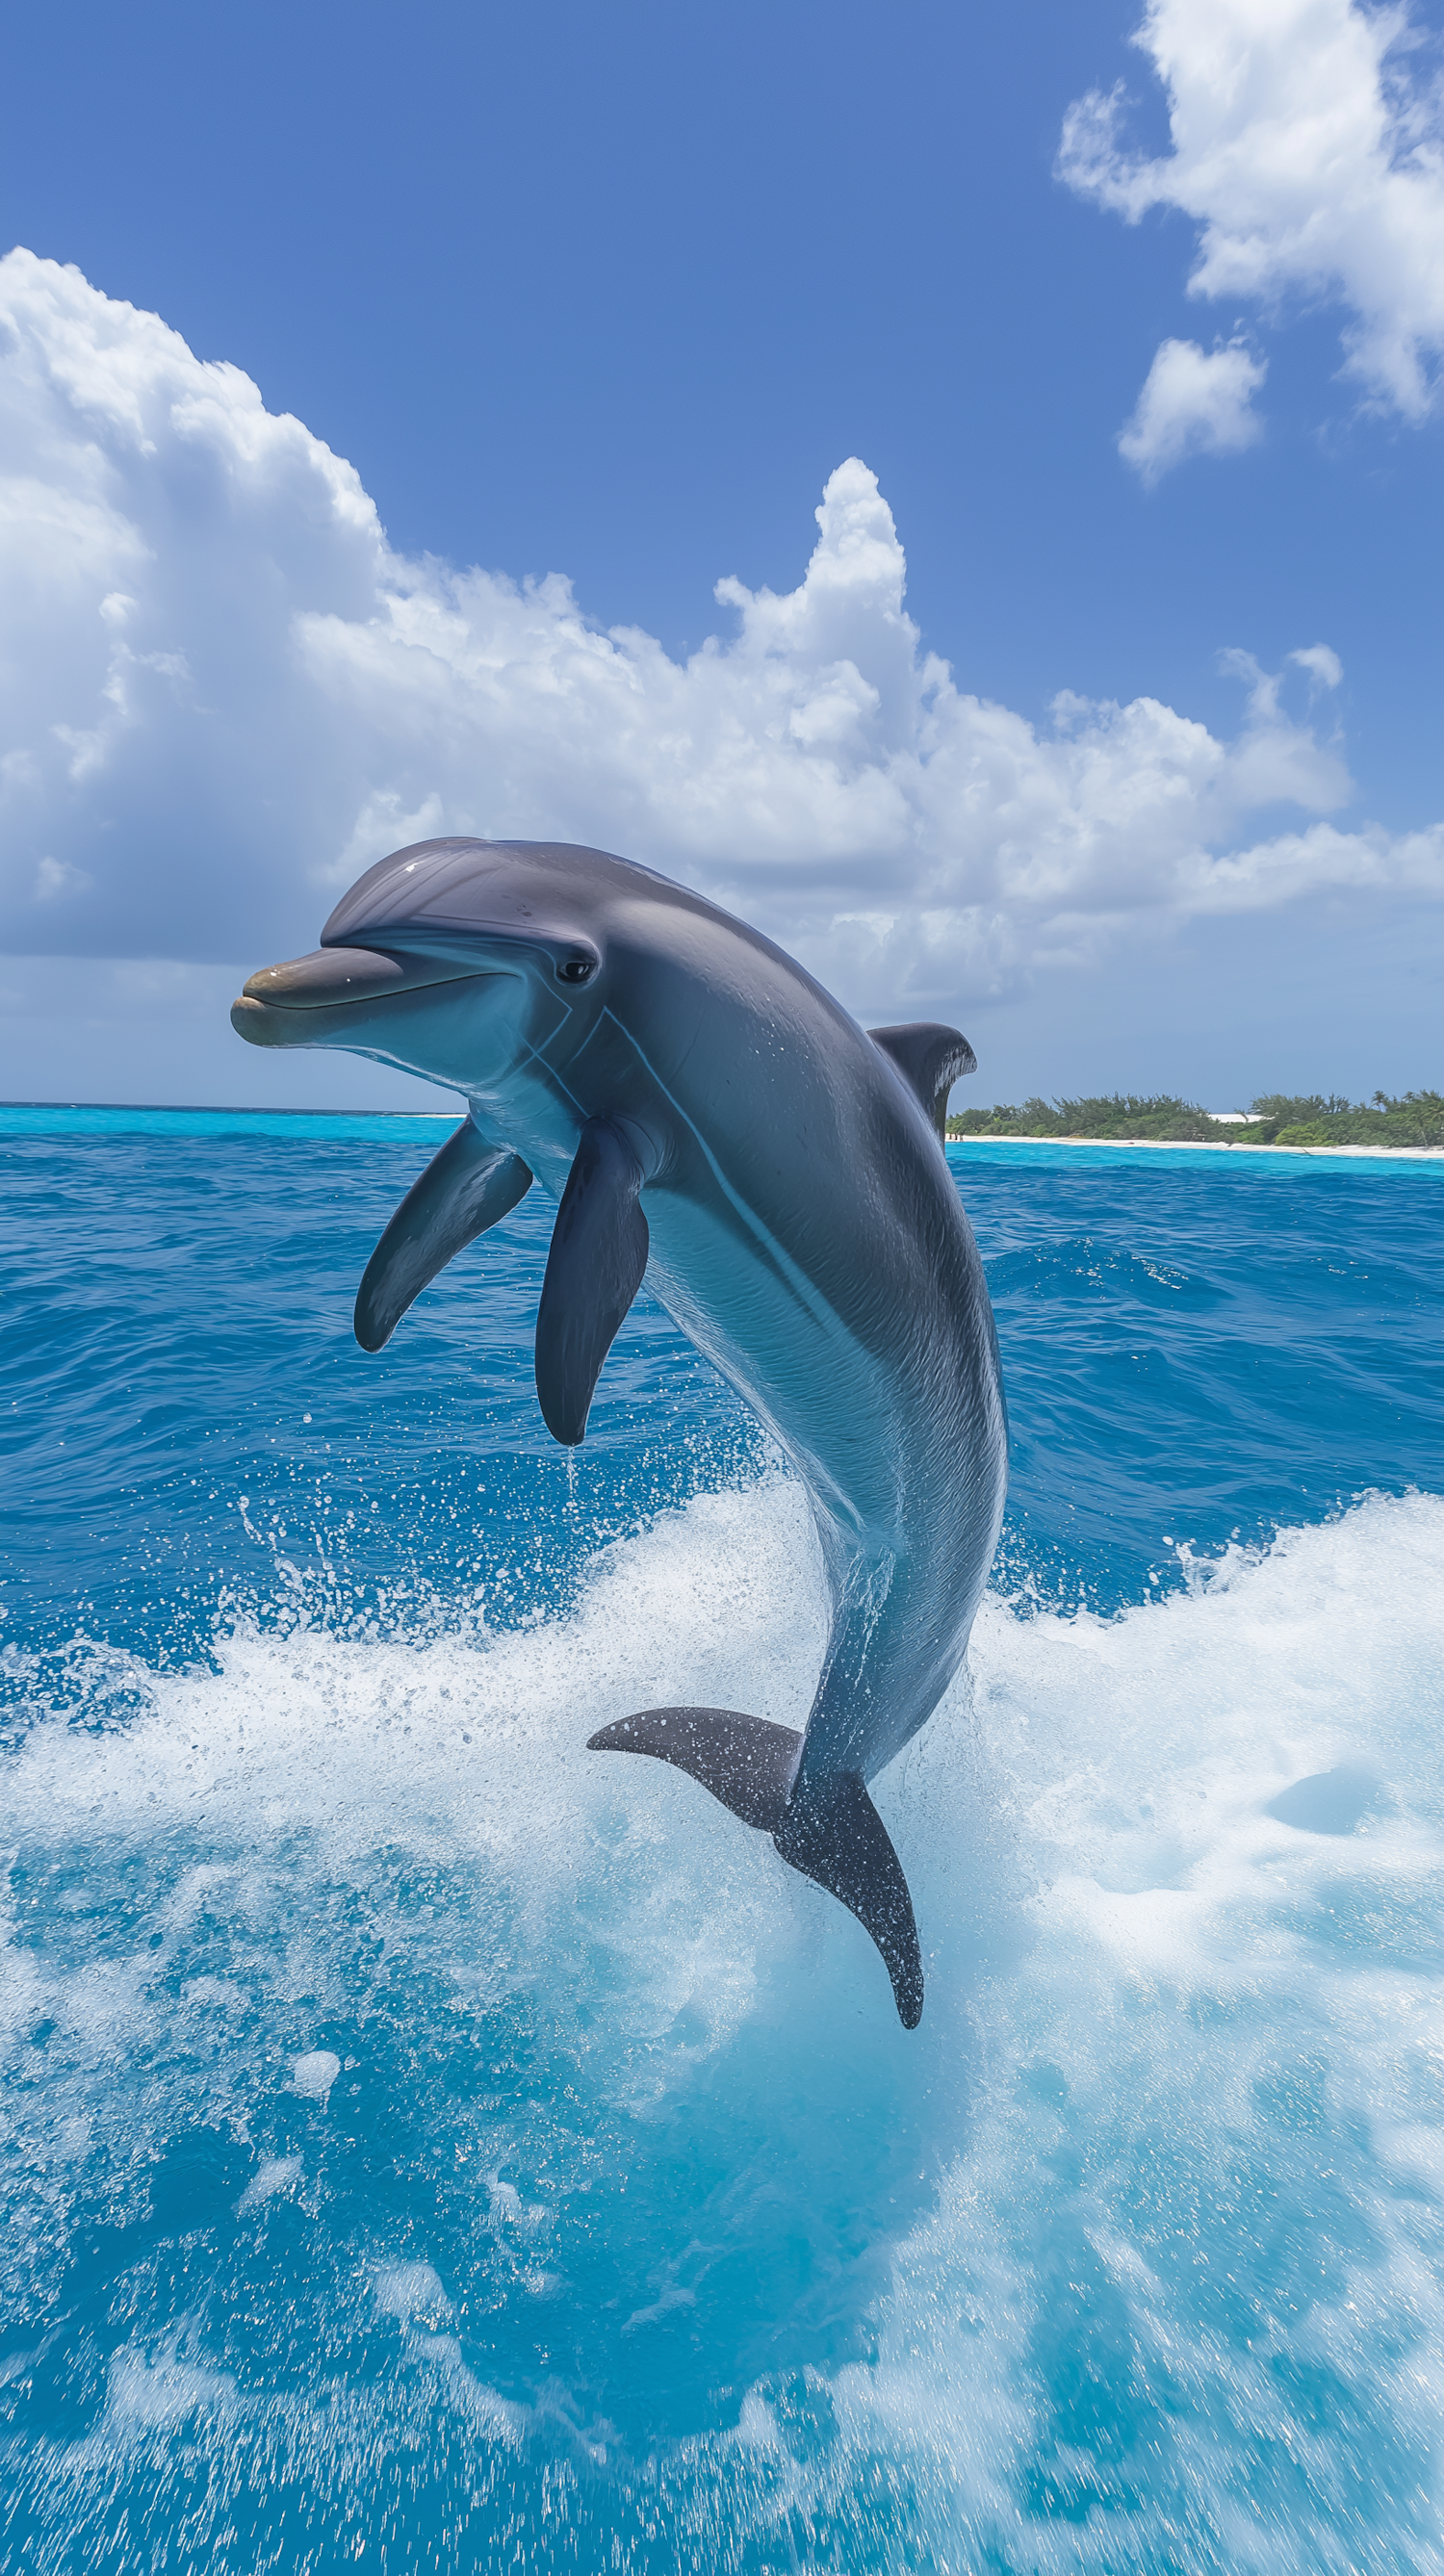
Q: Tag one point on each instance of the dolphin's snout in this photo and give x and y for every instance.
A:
(270, 1008)
(273, 1006)
(247, 1017)
(332, 975)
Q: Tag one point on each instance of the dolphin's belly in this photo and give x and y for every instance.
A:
(900, 1447)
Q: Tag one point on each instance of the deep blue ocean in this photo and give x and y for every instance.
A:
(429, 2146)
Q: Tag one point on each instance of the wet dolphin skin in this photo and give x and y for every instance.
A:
(705, 1114)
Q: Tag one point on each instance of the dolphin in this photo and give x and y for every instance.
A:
(702, 1111)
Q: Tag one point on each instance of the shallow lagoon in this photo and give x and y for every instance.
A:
(428, 2146)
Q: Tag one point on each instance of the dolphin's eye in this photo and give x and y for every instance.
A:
(575, 970)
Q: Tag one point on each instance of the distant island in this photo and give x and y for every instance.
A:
(1415, 1118)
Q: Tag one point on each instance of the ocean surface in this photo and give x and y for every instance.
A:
(428, 2146)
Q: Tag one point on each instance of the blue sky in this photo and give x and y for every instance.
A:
(612, 295)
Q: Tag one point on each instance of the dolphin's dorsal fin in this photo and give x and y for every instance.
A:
(594, 1269)
(930, 1059)
(467, 1187)
(831, 1831)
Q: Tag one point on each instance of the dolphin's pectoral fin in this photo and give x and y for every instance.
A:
(835, 1836)
(467, 1187)
(838, 1838)
(930, 1059)
(747, 1762)
(594, 1269)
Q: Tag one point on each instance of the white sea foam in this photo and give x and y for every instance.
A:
(314, 2073)
(149, 2396)
(413, 2292)
(1172, 2257)
(273, 2174)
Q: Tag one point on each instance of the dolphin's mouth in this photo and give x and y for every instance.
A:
(334, 979)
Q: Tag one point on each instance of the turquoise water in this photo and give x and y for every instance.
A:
(427, 2148)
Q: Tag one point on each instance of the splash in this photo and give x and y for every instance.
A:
(425, 2137)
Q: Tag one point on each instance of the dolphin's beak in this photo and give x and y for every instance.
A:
(296, 1004)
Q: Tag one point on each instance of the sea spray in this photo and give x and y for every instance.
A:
(1138, 2239)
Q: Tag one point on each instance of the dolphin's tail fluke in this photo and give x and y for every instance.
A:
(835, 1836)
(839, 1839)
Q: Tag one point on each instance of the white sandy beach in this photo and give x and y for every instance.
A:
(1224, 1145)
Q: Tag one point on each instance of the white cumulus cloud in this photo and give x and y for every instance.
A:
(1306, 146)
(1195, 401)
(223, 694)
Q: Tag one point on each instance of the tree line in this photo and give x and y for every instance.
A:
(1281, 1118)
